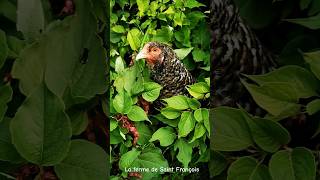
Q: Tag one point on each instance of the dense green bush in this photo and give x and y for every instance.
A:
(285, 143)
(53, 78)
(177, 135)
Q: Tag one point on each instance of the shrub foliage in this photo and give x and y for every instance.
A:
(177, 134)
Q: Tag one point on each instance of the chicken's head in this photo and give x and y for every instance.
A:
(152, 52)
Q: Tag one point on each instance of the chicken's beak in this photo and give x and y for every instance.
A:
(141, 55)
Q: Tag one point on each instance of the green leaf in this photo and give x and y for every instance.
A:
(8, 9)
(138, 86)
(279, 99)
(200, 35)
(79, 166)
(298, 163)
(115, 137)
(118, 29)
(179, 4)
(137, 114)
(30, 18)
(164, 34)
(291, 53)
(185, 151)
(183, 36)
(166, 136)
(267, 134)
(4, 50)
(85, 82)
(193, 103)
(247, 168)
(170, 113)
(195, 94)
(170, 122)
(170, 10)
(144, 133)
(143, 6)
(113, 18)
(115, 37)
(310, 22)
(15, 46)
(194, 17)
(122, 3)
(146, 24)
(134, 38)
(177, 102)
(48, 56)
(201, 114)
(41, 130)
(186, 124)
(314, 8)
(100, 10)
(313, 106)
(229, 130)
(199, 55)
(182, 53)
(199, 131)
(304, 4)
(122, 102)
(128, 79)
(207, 81)
(162, 16)
(204, 157)
(179, 18)
(193, 4)
(313, 59)
(128, 158)
(150, 157)
(217, 164)
(5, 97)
(154, 6)
(113, 124)
(302, 81)
(7, 151)
(79, 120)
(151, 91)
(198, 90)
(119, 66)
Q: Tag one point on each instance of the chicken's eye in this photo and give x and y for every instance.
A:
(154, 50)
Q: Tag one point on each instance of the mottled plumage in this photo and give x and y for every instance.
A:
(166, 69)
(235, 49)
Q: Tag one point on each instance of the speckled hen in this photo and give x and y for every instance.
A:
(166, 69)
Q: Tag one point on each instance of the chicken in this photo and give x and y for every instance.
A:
(166, 69)
(235, 50)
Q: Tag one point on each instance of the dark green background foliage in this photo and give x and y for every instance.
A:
(178, 134)
(285, 144)
(59, 74)
(58, 67)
